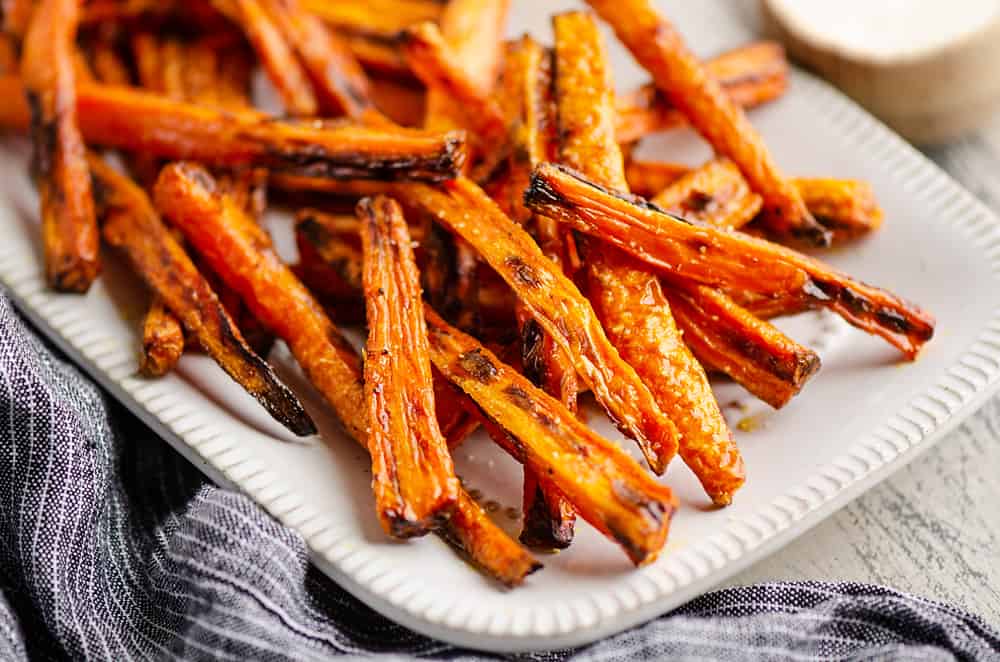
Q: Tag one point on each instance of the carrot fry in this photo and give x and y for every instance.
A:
(846, 207)
(340, 85)
(751, 75)
(412, 473)
(730, 260)
(556, 303)
(404, 104)
(649, 178)
(731, 340)
(714, 194)
(275, 54)
(606, 486)
(241, 253)
(382, 18)
(133, 226)
(379, 57)
(69, 229)
(141, 122)
(626, 295)
(162, 340)
(658, 46)
(768, 307)
(441, 70)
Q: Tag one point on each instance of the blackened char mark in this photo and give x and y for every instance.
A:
(522, 272)
(478, 366)
(44, 138)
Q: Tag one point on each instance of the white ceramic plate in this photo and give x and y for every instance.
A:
(863, 416)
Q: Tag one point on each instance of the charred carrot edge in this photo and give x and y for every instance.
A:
(133, 226)
(441, 70)
(730, 260)
(730, 339)
(660, 48)
(627, 297)
(162, 340)
(274, 53)
(15, 15)
(340, 85)
(846, 207)
(137, 121)
(412, 473)
(751, 75)
(383, 18)
(555, 302)
(606, 486)
(715, 194)
(242, 254)
(69, 228)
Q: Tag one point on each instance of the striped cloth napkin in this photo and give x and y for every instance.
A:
(113, 547)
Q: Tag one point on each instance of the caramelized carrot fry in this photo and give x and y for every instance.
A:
(714, 194)
(133, 226)
(241, 253)
(383, 18)
(141, 122)
(69, 229)
(751, 75)
(275, 54)
(340, 85)
(556, 303)
(162, 340)
(606, 486)
(768, 307)
(648, 178)
(846, 207)
(730, 260)
(549, 518)
(412, 473)
(731, 340)
(15, 16)
(441, 70)
(658, 46)
(626, 295)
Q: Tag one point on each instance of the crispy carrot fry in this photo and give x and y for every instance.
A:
(606, 486)
(626, 295)
(658, 46)
(136, 121)
(69, 229)
(275, 54)
(751, 75)
(241, 252)
(556, 303)
(15, 16)
(340, 85)
(846, 207)
(442, 71)
(383, 18)
(731, 340)
(162, 340)
(715, 194)
(132, 225)
(730, 260)
(412, 473)
(768, 307)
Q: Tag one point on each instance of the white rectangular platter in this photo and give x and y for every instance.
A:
(865, 415)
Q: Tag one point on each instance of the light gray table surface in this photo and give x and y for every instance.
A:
(933, 528)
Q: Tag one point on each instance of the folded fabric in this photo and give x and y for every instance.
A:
(113, 547)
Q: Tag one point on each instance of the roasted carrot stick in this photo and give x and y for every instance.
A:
(383, 18)
(658, 46)
(412, 472)
(607, 487)
(162, 340)
(649, 178)
(403, 103)
(442, 71)
(133, 226)
(340, 86)
(714, 194)
(275, 54)
(556, 303)
(241, 253)
(69, 229)
(626, 295)
(751, 75)
(137, 121)
(731, 340)
(720, 258)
